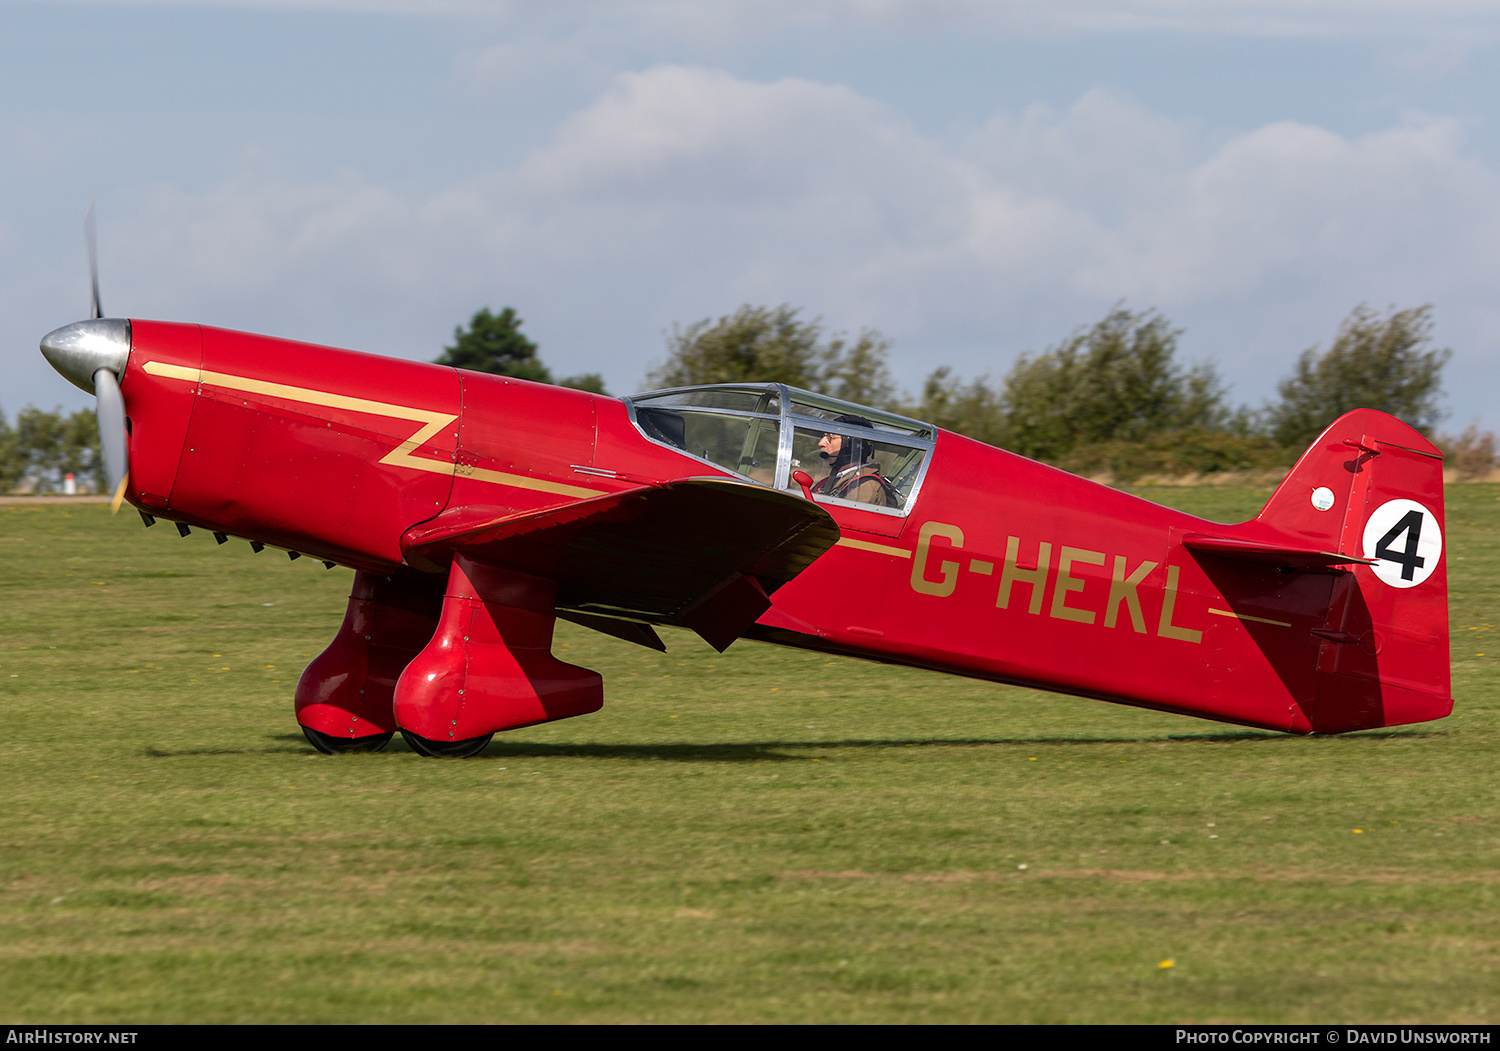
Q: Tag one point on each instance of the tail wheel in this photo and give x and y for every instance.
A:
(330, 745)
(446, 749)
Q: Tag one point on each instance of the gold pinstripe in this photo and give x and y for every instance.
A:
(879, 549)
(401, 456)
(1244, 616)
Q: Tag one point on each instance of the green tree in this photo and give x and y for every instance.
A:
(49, 445)
(774, 345)
(493, 343)
(754, 344)
(1375, 362)
(11, 465)
(1471, 454)
(39, 442)
(81, 455)
(592, 382)
(1115, 381)
(975, 409)
(857, 371)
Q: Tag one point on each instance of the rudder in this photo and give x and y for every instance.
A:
(1372, 487)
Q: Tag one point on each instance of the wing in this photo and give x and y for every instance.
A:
(702, 553)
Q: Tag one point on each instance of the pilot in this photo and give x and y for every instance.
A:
(852, 471)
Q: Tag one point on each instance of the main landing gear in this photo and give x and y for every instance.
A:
(486, 665)
(344, 697)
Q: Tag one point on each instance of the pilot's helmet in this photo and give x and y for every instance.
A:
(851, 446)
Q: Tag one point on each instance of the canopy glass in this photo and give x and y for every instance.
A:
(765, 432)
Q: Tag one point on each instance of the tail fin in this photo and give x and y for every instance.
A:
(1371, 488)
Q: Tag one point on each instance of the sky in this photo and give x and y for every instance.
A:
(974, 180)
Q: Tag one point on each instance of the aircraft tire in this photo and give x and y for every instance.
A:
(446, 749)
(329, 745)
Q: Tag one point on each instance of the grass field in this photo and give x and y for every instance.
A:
(763, 835)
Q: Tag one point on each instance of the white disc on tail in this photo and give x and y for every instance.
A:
(1404, 536)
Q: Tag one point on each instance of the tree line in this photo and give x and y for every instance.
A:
(42, 448)
(1112, 398)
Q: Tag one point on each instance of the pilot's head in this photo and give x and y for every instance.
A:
(841, 450)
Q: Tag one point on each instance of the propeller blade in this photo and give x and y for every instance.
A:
(91, 235)
(110, 408)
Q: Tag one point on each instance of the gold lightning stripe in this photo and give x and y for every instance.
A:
(521, 481)
(401, 455)
(879, 549)
(1245, 616)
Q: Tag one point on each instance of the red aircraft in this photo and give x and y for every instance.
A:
(475, 509)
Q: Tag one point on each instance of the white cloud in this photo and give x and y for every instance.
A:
(676, 133)
(1289, 200)
(682, 192)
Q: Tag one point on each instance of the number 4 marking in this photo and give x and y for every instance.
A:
(1411, 525)
(1406, 542)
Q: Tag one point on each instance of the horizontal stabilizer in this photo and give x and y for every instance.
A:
(703, 553)
(1270, 554)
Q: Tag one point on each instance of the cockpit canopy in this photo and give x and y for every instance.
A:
(855, 455)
